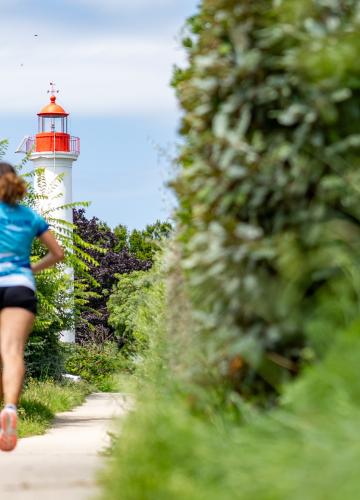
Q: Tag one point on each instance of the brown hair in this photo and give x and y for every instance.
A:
(12, 187)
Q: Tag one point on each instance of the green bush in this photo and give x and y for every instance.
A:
(268, 187)
(124, 306)
(144, 244)
(96, 364)
(44, 352)
(165, 451)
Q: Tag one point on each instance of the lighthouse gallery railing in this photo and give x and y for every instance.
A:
(74, 146)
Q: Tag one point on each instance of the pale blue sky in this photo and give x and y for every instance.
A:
(112, 60)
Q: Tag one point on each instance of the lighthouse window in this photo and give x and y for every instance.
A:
(53, 124)
(64, 125)
(41, 124)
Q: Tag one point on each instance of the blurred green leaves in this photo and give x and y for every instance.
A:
(268, 193)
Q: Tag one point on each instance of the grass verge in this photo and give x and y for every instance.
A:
(41, 400)
(306, 448)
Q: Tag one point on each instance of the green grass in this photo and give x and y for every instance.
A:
(306, 448)
(41, 400)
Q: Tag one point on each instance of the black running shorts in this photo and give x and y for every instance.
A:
(18, 296)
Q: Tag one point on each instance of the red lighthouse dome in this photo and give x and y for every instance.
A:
(53, 109)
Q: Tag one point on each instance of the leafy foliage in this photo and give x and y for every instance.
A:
(96, 364)
(3, 147)
(127, 305)
(267, 457)
(92, 325)
(43, 354)
(143, 244)
(268, 190)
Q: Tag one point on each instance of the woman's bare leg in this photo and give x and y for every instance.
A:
(15, 326)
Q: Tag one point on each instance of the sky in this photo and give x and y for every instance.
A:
(112, 61)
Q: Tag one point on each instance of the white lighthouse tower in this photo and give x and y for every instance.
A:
(54, 151)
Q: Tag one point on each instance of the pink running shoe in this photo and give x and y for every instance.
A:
(8, 434)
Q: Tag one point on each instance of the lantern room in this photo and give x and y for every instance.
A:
(52, 128)
(53, 134)
(53, 118)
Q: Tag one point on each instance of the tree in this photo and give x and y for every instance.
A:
(92, 325)
(268, 190)
(124, 308)
(143, 244)
(122, 238)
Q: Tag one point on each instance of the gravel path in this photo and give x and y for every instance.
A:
(62, 464)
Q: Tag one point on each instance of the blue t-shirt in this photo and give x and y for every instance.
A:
(19, 226)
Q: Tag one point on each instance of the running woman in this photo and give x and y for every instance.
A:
(19, 225)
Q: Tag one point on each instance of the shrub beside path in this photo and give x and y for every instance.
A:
(63, 463)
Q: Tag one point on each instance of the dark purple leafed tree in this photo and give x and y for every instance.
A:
(92, 324)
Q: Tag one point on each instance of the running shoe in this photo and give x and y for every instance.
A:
(8, 434)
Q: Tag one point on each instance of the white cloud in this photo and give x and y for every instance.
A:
(97, 75)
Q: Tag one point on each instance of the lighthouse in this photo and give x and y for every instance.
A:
(53, 151)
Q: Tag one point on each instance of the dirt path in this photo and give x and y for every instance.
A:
(63, 463)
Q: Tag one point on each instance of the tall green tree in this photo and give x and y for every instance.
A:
(122, 237)
(269, 186)
(145, 243)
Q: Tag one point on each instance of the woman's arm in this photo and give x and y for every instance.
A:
(56, 253)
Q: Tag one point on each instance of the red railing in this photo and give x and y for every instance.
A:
(56, 145)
